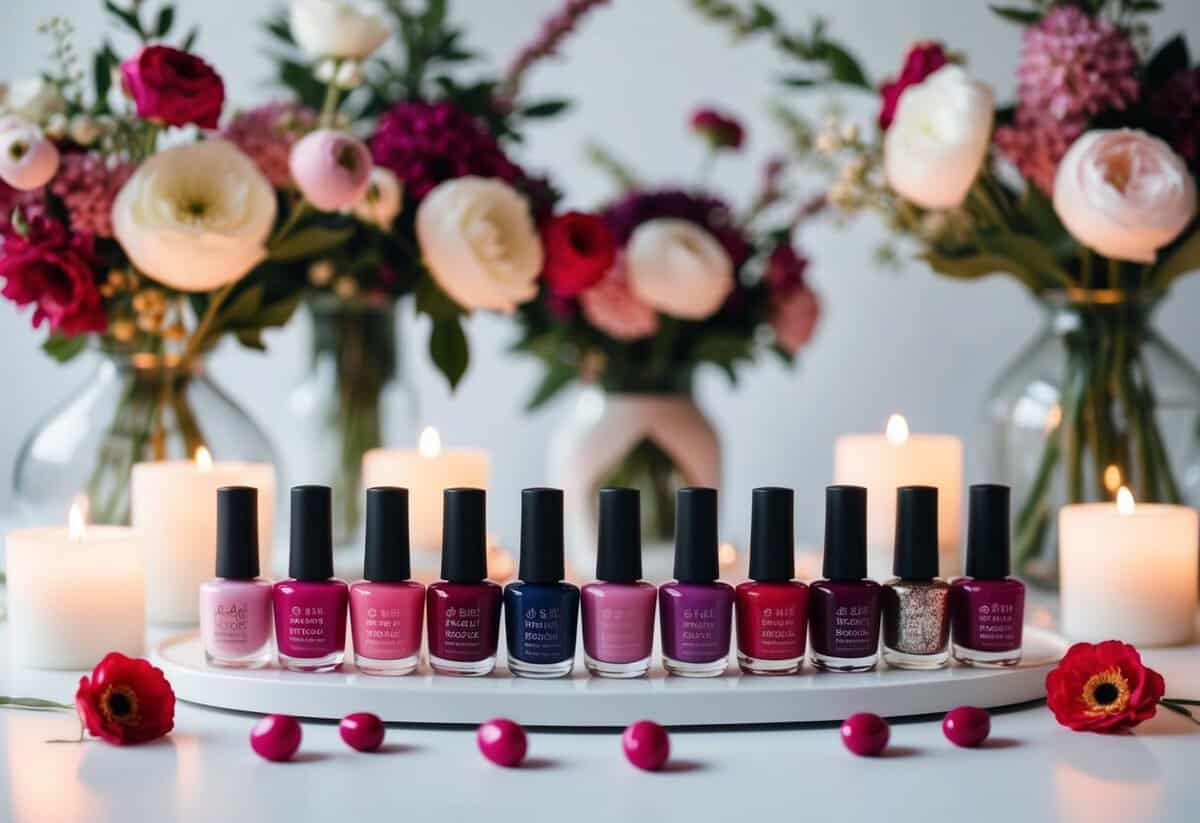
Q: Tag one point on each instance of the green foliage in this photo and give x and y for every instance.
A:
(448, 349)
(309, 242)
(63, 347)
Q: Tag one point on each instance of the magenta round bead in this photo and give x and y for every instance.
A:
(967, 726)
(276, 737)
(865, 733)
(502, 741)
(362, 731)
(646, 745)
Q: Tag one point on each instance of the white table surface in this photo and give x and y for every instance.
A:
(1032, 770)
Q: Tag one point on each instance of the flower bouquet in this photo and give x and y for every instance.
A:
(134, 229)
(1084, 190)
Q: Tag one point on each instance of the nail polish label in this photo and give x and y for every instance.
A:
(540, 621)
(310, 617)
(235, 617)
(988, 614)
(696, 621)
(618, 621)
(844, 619)
(463, 620)
(386, 619)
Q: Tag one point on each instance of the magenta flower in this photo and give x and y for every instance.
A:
(54, 270)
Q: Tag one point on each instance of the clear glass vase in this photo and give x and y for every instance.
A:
(355, 396)
(134, 407)
(1099, 400)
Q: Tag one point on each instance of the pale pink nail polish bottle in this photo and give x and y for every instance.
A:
(235, 607)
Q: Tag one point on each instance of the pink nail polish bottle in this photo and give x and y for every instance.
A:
(310, 606)
(387, 607)
(235, 607)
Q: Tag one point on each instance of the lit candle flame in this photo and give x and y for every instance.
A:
(1125, 501)
(430, 442)
(897, 430)
(1112, 478)
(77, 520)
(727, 555)
(203, 457)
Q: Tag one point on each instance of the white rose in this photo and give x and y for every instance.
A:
(338, 28)
(32, 99)
(937, 142)
(195, 217)
(678, 268)
(380, 205)
(478, 240)
(1124, 193)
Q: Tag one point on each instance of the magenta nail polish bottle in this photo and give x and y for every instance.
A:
(988, 606)
(843, 618)
(696, 609)
(618, 609)
(386, 608)
(463, 625)
(235, 607)
(310, 606)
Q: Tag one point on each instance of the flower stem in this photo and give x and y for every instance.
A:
(330, 103)
(32, 703)
(1177, 707)
(210, 315)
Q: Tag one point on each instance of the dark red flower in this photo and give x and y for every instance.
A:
(55, 270)
(785, 269)
(922, 60)
(580, 248)
(1175, 109)
(1103, 687)
(720, 130)
(125, 701)
(173, 87)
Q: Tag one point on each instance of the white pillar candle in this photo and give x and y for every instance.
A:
(75, 593)
(426, 471)
(1128, 571)
(173, 506)
(884, 462)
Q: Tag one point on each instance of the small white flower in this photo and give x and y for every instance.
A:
(326, 70)
(678, 268)
(84, 130)
(338, 28)
(33, 99)
(385, 194)
(349, 75)
(345, 287)
(57, 126)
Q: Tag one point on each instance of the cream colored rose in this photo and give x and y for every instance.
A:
(339, 29)
(937, 142)
(678, 268)
(195, 217)
(1124, 193)
(479, 242)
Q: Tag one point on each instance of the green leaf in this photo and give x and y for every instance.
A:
(129, 18)
(102, 66)
(723, 349)
(279, 312)
(448, 350)
(557, 377)
(1015, 15)
(242, 311)
(546, 108)
(843, 68)
(63, 347)
(1183, 258)
(308, 242)
(166, 17)
(798, 82)
(970, 266)
(431, 300)
(189, 39)
(251, 338)
(1031, 259)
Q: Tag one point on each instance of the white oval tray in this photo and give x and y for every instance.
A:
(582, 700)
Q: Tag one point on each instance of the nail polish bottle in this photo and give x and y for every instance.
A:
(464, 607)
(916, 602)
(541, 611)
(235, 607)
(618, 609)
(310, 606)
(843, 615)
(771, 607)
(696, 609)
(386, 608)
(988, 606)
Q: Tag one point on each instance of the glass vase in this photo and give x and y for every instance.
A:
(354, 397)
(1099, 400)
(134, 407)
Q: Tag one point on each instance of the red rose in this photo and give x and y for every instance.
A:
(126, 701)
(580, 248)
(720, 130)
(173, 87)
(1103, 688)
(56, 271)
(922, 60)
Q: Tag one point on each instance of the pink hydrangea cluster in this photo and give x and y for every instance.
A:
(266, 134)
(613, 308)
(1036, 144)
(88, 183)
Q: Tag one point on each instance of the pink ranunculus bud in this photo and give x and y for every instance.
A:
(332, 168)
(27, 158)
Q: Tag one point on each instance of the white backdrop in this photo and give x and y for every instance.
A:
(888, 340)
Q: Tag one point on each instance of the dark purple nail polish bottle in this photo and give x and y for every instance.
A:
(844, 607)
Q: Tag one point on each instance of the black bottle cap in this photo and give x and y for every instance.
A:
(845, 533)
(541, 535)
(237, 532)
(916, 533)
(619, 542)
(696, 535)
(987, 532)
(772, 534)
(386, 558)
(312, 533)
(464, 535)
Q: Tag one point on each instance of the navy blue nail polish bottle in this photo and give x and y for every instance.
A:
(540, 610)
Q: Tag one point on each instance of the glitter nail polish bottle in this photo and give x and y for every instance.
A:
(916, 603)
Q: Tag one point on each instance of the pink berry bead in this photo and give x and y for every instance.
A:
(865, 733)
(276, 737)
(967, 726)
(362, 731)
(646, 745)
(502, 741)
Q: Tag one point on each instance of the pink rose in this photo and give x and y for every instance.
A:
(794, 318)
(332, 169)
(613, 308)
(173, 87)
(55, 271)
